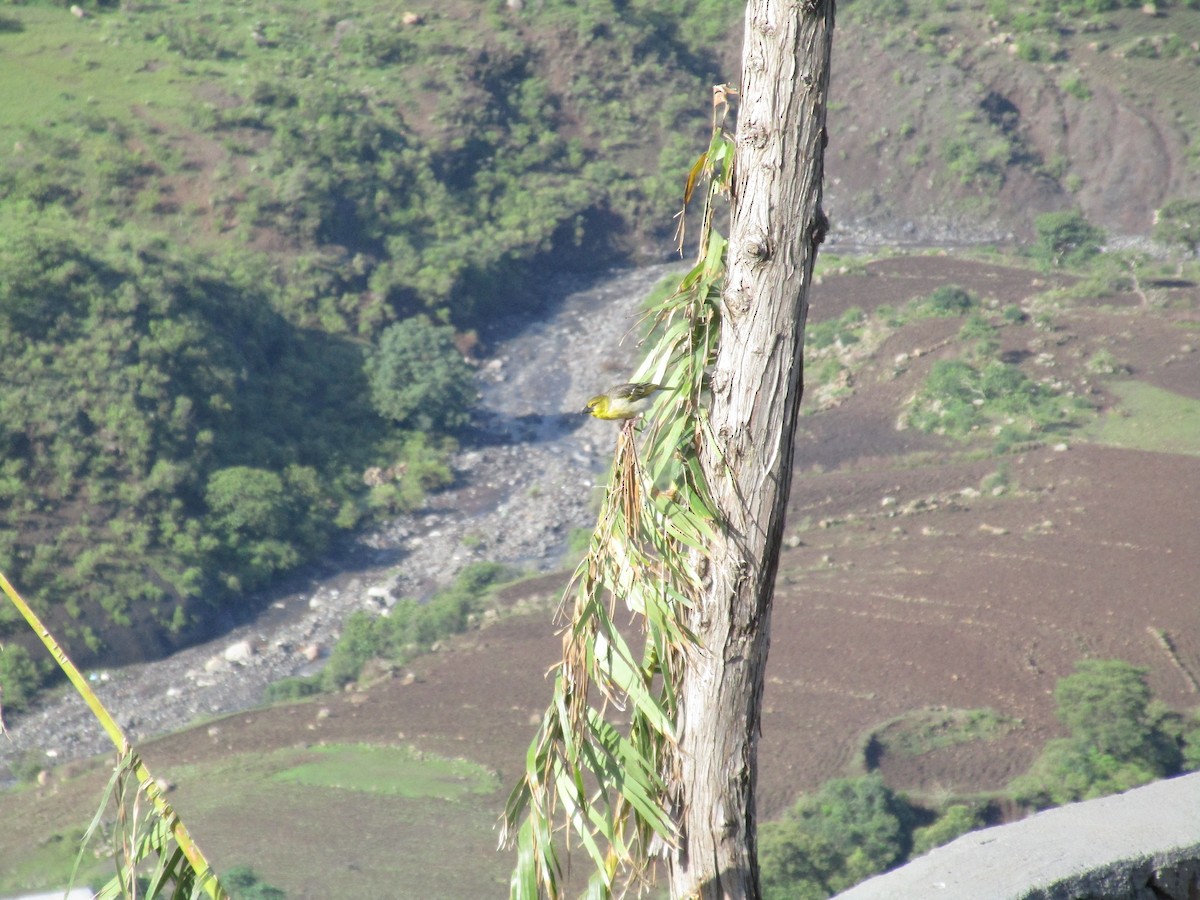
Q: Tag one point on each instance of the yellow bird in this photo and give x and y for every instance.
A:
(623, 401)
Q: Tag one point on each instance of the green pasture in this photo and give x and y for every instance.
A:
(403, 771)
(1149, 418)
(334, 821)
(55, 67)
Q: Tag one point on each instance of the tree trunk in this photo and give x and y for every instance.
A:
(776, 226)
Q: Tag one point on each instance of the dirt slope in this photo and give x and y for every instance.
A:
(1097, 127)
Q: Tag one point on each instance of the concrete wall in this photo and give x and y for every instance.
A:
(1140, 845)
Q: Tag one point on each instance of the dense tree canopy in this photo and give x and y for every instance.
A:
(419, 379)
(155, 411)
(851, 829)
(189, 288)
(1105, 704)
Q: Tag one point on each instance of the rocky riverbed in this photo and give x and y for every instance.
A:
(524, 479)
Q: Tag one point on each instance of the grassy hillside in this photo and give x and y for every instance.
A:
(212, 215)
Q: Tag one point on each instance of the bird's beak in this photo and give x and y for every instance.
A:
(586, 411)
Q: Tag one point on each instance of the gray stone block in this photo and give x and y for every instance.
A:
(1140, 845)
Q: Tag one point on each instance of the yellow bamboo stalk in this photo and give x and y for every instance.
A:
(205, 876)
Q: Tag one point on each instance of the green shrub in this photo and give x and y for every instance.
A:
(959, 399)
(948, 300)
(20, 677)
(267, 522)
(1178, 223)
(978, 328)
(244, 501)
(418, 377)
(843, 331)
(1032, 51)
(1102, 362)
(978, 156)
(287, 689)
(1067, 772)
(410, 627)
(996, 482)
(364, 636)
(851, 829)
(889, 316)
(421, 465)
(1014, 315)
(1105, 704)
(955, 821)
(1066, 239)
(799, 865)
(1119, 738)
(826, 371)
(1077, 87)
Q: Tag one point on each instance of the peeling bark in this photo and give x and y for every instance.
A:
(777, 223)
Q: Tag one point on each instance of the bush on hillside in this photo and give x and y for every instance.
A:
(1066, 239)
(948, 300)
(19, 676)
(1178, 223)
(1106, 704)
(409, 627)
(1119, 738)
(851, 829)
(960, 399)
(955, 821)
(418, 377)
(843, 331)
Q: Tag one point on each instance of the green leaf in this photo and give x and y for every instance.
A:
(524, 882)
(693, 176)
(577, 815)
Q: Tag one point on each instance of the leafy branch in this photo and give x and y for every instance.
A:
(161, 833)
(609, 788)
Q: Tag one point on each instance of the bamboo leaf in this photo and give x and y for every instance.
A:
(524, 882)
(577, 815)
(105, 798)
(693, 176)
(566, 727)
(637, 780)
(629, 677)
(168, 868)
